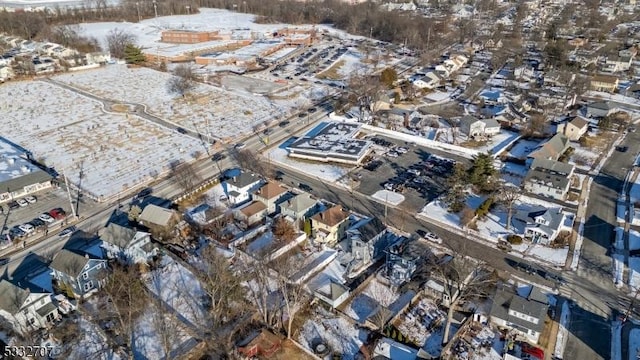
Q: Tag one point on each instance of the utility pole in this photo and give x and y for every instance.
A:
(138, 8)
(66, 183)
(155, 8)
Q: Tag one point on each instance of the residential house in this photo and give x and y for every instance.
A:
(252, 213)
(126, 244)
(430, 80)
(24, 309)
(598, 109)
(269, 194)
(401, 262)
(473, 127)
(617, 63)
(573, 129)
(605, 83)
(524, 315)
(524, 72)
(81, 272)
(369, 239)
(328, 285)
(494, 97)
(158, 219)
(298, 207)
(630, 52)
(101, 58)
(550, 150)
(539, 224)
(239, 187)
(549, 178)
(330, 225)
(260, 344)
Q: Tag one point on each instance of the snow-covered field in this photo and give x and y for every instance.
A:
(557, 257)
(420, 320)
(498, 143)
(327, 172)
(210, 110)
(156, 331)
(340, 334)
(563, 332)
(72, 134)
(390, 197)
(523, 148)
(179, 289)
(91, 344)
(365, 303)
(583, 158)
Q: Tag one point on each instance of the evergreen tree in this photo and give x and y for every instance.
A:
(133, 54)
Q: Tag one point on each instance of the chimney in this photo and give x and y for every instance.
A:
(86, 256)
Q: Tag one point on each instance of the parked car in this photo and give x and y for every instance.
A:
(267, 131)
(504, 246)
(37, 222)
(240, 146)
(13, 205)
(67, 232)
(16, 232)
(46, 218)
(622, 148)
(27, 228)
(218, 157)
(279, 175)
(305, 187)
(181, 130)
(22, 202)
(4, 261)
(31, 199)
(144, 193)
(433, 238)
(57, 214)
(284, 123)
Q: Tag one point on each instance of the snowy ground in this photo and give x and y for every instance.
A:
(327, 172)
(522, 148)
(492, 353)
(179, 289)
(390, 197)
(618, 268)
(155, 328)
(365, 303)
(583, 158)
(340, 334)
(433, 343)
(557, 257)
(210, 110)
(498, 143)
(634, 239)
(91, 345)
(563, 332)
(420, 320)
(72, 134)
(214, 199)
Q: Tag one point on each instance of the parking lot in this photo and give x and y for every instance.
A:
(45, 202)
(417, 173)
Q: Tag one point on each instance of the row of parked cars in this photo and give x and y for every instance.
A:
(42, 221)
(22, 202)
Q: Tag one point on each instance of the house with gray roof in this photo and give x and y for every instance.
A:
(82, 273)
(367, 241)
(127, 245)
(299, 207)
(26, 310)
(18, 175)
(154, 215)
(522, 314)
(550, 150)
(549, 178)
(239, 187)
(598, 109)
(538, 223)
(473, 127)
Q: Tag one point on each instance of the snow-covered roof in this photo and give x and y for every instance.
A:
(16, 171)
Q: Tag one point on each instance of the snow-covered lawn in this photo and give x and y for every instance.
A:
(91, 344)
(613, 97)
(523, 148)
(207, 109)
(344, 337)
(365, 303)
(390, 197)
(557, 257)
(433, 343)
(327, 172)
(215, 198)
(486, 335)
(498, 143)
(437, 96)
(179, 289)
(71, 134)
(583, 158)
(156, 331)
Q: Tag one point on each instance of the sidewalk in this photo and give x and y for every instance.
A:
(575, 245)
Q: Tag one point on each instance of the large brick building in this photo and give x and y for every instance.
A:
(189, 37)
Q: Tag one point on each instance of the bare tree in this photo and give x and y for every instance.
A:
(124, 300)
(283, 230)
(509, 195)
(463, 281)
(185, 175)
(248, 159)
(262, 289)
(182, 81)
(384, 296)
(365, 91)
(117, 41)
(293, 293)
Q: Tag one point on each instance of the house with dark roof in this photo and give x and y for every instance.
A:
(368, 240)
(330, 225)
(598, 109)
(523, 314)
(269, 194)
(298, 207)
(550, 150)
(24, 309)
(549, 178)
(606, 83)
(538, 223)
(127, 245)
(574, 128)
(402, 262)
(82, 273)
(239, 187)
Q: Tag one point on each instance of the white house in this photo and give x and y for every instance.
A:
(539, 224)
(549, 178)
(26, 310)
(127, 245)
(573, 129)
(430, 80)
(473, 127)
(269, 194)
(523, 315)
(239, 187)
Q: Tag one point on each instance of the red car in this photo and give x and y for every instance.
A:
(58, 213)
